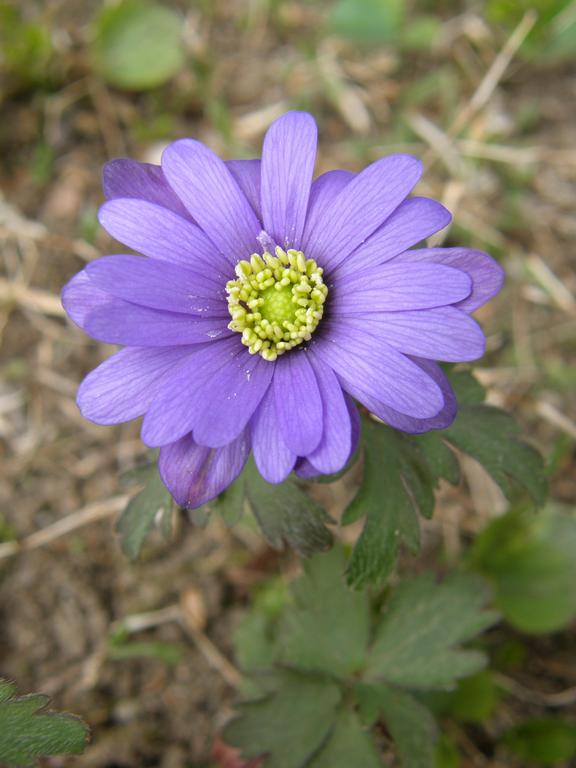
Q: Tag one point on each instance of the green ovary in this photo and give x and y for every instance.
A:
(276, 302)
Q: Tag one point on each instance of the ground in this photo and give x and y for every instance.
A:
(507, 170)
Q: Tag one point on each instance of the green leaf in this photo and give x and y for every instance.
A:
(530, 561)
(349, 745)
(170, 654)
(411, 724)
(416, 642)
(491, 436)
(137, 520)
(542, 741)
(328, 627)
(368, 21)
(230, 503)
(474, 700)
(447, 754)
(290, 724)
(137, 44)
(401, 472)
(285, 513)
(387, 503)
(27, 731)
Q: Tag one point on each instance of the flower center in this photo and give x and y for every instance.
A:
(276, 302)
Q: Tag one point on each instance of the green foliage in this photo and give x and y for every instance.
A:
(28, 731)
(447, 755)
(542, 741)
(409, 722)
(137, 520)
(137, 45)
(416, 644)
(530, 562)
(368, 21)
(553, 37)
(328, 667)
(290, 722)
(284, 512)
(401, 472)
(25, 46)
(474, 700)
(120, 647)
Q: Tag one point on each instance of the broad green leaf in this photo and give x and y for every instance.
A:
(28, 730)
(542, 741)
(410, 723)
(349, 745)
(290, 724)
(285, 513)
(530, 561)
(137, 520)
(417, 641)
(368, 21)
(137, 44)
(328, 627)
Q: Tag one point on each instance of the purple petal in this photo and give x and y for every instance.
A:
(195, 474)
(397, 287)
(247, 175)
(226, 402)
(361, 207)
(413, 221)
(442, 333)
(298, 402)
(273, 458)
(173, 411)
(80, 297)
(304, 467)
(333, 450)
(119, 322)
(288, 157)
(325, 189)
(385, 373)
(210, 193)
(143, 181)
(159, 285)
(122, 387)
(306, 470)
(161, 234)
(406, 423)
(486, 274)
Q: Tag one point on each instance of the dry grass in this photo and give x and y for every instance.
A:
(510, 182)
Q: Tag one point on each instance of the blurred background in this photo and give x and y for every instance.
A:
(485, 94)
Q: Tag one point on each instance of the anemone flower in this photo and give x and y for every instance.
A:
(265, 305)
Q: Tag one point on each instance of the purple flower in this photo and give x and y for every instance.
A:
(264, 302)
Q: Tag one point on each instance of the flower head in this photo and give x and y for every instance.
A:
(265, 303)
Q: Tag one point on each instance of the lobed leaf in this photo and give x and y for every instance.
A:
(349, 745)
(327, 629)
(410, 723)
(28, 731)
(286, 514)
(402, 471)
(416, 642)
(290, 724)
